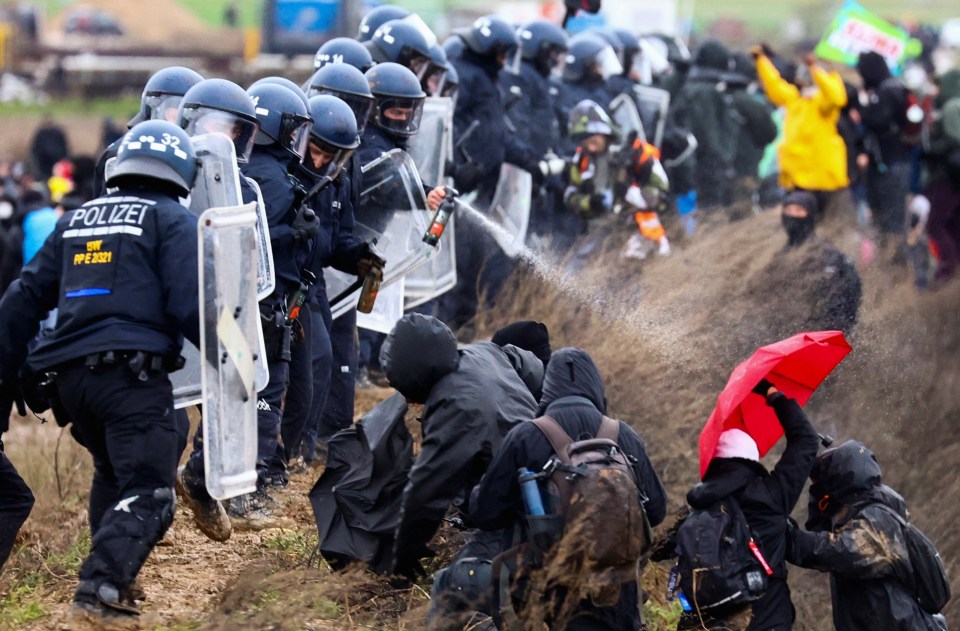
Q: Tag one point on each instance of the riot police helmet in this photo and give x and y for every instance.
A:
(349, 85)
(283, 117)
(375, 18)
(343, 50)
(590, 55)
(333, 136)
(218, 105)
(587, 118)
(610, 36)
(155, 151)
(287, 83)
(454, 47)
(491, 36)
(398, 99)
(162, 93)
(630, 44)
(543, 44)
(402, 43)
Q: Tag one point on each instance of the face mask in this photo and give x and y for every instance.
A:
(798, 230)
(6, 210)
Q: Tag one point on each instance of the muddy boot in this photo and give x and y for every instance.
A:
(249, 512)
(208, 513)
(103, 601)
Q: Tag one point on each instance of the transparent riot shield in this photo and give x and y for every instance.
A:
(652, 105)
(218, 186)
(433, 144)
(438, 276)
(623, 111)
(387, 310)
(510, 208)
(392, 210)
(229, 319)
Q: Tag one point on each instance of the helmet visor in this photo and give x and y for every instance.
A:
(361, 105)
(511, 60)
(653, 57)
(432, 79)
(399, 114)
(325, 160)
(295, 133)
(162, 106)
(608, 64)
(241, 131)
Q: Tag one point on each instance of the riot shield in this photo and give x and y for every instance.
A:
(652, 105)
(623, 111)
(218, 186)
(433, 144)
(392, 210)
(510, 208)
(229, 319)
(387, 310)
(436, 277)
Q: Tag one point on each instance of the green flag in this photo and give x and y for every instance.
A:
(856, 30)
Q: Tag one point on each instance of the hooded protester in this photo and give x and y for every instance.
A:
(855, 531)
(813, 156)
(766, 499)
(705, 108)
(943, 164)
(884, 115)
(573, 395)
(528, 335)
(471, 398)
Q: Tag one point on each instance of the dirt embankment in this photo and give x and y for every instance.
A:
(665, 333)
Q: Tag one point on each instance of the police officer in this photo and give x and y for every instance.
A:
(115, 269)
(333, 139)
(402, 43)
(395, 118)
(343, 50)
(160, 100)
(543, 45)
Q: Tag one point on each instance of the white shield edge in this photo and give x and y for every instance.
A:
(387, 310)
(432, 146)
(660, 103)
(510, 208)
(623, 111)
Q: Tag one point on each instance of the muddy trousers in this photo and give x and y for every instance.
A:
(129, 427)
(16, 502)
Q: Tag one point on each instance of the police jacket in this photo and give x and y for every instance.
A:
(119, 271)
(767, 500)
(857, 538)
(465, 416)
(490, 145)
(335, 244)
(269, 167)
(573, 395)
(533, 113)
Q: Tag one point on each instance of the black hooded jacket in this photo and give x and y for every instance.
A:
(472, 398)
(885, 114)
(857, 537)
(573, 395)
(767, 500)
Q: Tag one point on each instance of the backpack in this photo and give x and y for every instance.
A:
(929, 580)
(599, 523)
(720, 565)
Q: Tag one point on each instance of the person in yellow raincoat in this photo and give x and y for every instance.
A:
(813, 156)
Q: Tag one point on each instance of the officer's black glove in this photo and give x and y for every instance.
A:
(306, 224)
(601, 202)
(10, 395)
(369, 260)
(762, 388)
(467, 175)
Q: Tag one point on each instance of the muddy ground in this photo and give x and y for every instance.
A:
(665, 333)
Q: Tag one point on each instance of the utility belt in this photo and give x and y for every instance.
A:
(277, 333)
(141, 363)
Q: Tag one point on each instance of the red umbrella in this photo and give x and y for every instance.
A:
(796, 366)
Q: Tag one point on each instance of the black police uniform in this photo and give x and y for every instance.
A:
(16, 502)
(319, 406)
(114, 268)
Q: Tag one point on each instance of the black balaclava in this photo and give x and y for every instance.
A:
(799, 230)
(528, 335)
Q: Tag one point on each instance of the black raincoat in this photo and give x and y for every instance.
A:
(767, 500)
(472, 398)
(857, 537)
(573, 395)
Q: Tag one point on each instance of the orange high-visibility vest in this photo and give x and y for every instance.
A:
(649, 224)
